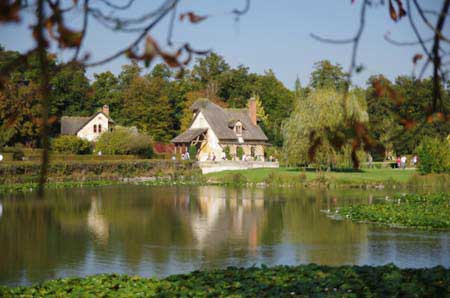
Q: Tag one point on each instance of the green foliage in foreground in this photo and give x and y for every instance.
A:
(281, 281)
(418, 211)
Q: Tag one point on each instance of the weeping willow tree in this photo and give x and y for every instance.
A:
(316, 131)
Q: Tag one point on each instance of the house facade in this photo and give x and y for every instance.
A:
(88, 128)
(214, 130)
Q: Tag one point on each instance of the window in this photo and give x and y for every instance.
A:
(238, 128)
(99, 128)
(95, 128)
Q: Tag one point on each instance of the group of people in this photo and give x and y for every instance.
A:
(185, 156)
(401, 161)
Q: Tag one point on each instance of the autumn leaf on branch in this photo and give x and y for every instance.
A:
(9, 12)
(417, 57)
(396, 15)
(193, 18)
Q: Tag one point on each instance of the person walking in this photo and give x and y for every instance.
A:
(403, 161)
(398, 162)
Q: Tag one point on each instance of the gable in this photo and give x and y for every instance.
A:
(219, 120)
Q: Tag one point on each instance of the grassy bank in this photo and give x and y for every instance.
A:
(416, 211)
(281, 281)
(366, 177)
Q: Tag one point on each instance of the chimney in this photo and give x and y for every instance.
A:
(252, 110)
(105, 110)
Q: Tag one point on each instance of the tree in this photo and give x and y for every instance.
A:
(396, 112)
(128, 73)
(327, 75)
(105, 90)
(277, 101)
(208, 71)
(147, 107)
(19, 114)
(161, 71)
(236, 86)
(320, 119)
(69, 92)
(209, 68)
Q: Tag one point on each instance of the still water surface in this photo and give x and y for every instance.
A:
(157, 231)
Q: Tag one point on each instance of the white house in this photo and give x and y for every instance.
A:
(215, 129)
(88, 128)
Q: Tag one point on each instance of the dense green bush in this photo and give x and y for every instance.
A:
(71, 144)
(239, 152)
(280, 281)
(125, 141)
(192, 151)
(19, 172)
(434, 156)
(227, 150)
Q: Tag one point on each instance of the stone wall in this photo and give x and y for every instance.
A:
(228, 165)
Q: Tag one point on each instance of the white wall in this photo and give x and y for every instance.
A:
(212, 145)
(87, 132)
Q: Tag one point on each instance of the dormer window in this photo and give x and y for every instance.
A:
(238, 128)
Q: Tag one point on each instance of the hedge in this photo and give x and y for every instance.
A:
(280, 281)
(19, 172)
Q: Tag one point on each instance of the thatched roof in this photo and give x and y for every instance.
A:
(221, 122)
(189, 135)
(72, 125)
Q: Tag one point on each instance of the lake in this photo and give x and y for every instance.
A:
(163, 230)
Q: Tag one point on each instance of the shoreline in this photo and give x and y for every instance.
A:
(28, 187)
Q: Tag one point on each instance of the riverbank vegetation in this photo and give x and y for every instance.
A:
(280, 281)
(411, 210)
(22, 176)
(88, 170)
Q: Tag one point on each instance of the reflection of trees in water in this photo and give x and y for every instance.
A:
(34, 240)
(166, 226)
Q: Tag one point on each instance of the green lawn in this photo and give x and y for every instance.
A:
(367, 175)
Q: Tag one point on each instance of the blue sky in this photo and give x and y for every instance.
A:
(273, 35)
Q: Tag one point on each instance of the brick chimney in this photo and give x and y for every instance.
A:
(252, 110)
(105, 110)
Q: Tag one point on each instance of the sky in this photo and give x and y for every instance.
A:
(272, 35)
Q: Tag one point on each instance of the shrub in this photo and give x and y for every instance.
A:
(434, 156)
(71, 144)
(226, 150)
(239, 152)
(19, 172)
(17, 153)
(125, 141)
(192, 151)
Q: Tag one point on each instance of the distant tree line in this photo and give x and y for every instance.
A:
(157, 101)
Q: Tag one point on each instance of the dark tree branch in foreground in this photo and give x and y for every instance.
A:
(51, 29)
(434, 56)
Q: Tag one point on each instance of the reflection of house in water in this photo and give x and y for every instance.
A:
(228, 215)
(97, 223)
